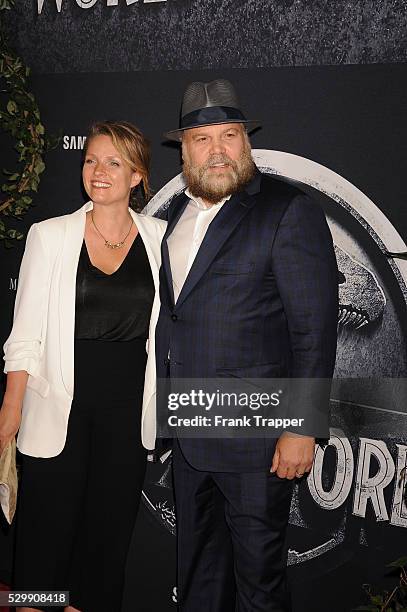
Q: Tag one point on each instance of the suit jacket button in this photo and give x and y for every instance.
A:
(174, 317)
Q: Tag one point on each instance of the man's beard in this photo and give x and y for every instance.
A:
(213, 187)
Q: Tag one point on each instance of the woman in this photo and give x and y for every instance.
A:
(76, 363)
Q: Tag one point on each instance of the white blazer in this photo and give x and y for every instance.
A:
(42, 338)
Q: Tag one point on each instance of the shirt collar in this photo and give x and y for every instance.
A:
(201, 204)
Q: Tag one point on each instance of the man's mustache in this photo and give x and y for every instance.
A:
(214, 160)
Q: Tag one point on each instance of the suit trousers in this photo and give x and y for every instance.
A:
(231, 539)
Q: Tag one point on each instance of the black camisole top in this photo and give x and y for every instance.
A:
(115, 307)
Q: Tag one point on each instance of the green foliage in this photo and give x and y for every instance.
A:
(396, 601)
(5, 5)
(20, 117)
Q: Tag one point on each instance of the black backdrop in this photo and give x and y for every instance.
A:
(350, 118)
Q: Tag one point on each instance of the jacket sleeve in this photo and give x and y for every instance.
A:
(23, 348)
(306, 274)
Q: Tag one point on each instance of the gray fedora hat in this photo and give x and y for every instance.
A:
(210, 104)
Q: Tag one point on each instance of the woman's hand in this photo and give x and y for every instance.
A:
(10, 419)
(10, 413)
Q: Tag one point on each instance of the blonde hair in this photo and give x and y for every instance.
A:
(133, 147)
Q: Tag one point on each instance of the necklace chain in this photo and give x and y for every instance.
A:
(108, 244)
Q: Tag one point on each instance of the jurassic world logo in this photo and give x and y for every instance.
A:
(358, 484)
(87, 4)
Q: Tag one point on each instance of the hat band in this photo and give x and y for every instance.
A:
(211, 114)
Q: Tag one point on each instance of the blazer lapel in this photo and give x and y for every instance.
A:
(148, 236)
(227, 219)
(74, 233)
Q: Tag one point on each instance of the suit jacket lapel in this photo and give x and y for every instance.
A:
(227, 219)
(230, 215)
(174, 213)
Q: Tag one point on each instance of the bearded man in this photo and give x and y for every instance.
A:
(248, 290)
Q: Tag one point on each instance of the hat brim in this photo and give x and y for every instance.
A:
(176, 135)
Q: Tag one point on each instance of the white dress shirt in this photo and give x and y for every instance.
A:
(187, 237)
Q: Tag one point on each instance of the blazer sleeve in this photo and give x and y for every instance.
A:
(306, 273)
(23, 348)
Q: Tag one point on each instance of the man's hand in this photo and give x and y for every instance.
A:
(293, 456)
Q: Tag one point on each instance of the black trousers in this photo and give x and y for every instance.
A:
(231, 530)
(77, 511)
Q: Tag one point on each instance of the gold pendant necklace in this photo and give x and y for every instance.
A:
(108, 244)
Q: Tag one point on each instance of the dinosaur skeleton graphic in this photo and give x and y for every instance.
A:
(361, 299)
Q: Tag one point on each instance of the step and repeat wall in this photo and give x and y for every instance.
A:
(329, 84)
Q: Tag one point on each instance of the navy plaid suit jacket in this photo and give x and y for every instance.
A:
(260, 300)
